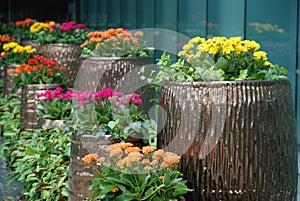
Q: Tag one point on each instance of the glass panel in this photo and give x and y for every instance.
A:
(114, 16)
(128, 14)
(225, 18)
(192, 18)
(166, 18)
(102, 15)
(145, 14)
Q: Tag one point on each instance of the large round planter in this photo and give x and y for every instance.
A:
(97, 73)
(32, 43)
(82, 174)
(8, 80)
(237, 139)
(67, 55)
(29, 100)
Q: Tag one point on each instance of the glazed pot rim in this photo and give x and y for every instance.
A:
(116, 58)
(242, 82)
(43, 85)
(60, 44)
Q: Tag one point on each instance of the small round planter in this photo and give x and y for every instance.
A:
(8, 80)
(28, 115)
(67, 55)
(237, 139)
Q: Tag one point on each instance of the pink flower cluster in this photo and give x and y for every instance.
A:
(49, 95)
(69, 26)
(83, 98)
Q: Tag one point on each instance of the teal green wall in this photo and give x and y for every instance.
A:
(273, 23)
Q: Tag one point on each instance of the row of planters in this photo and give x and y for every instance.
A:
(229, 115)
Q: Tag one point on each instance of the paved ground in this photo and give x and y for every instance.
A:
(11, 192)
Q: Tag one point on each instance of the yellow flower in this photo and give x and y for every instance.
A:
(260, 55)
(8, 46)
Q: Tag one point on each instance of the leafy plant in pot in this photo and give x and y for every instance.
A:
(235, 94)
(126, 172)
(100, 119)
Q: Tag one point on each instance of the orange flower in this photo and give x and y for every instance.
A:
(159, 154)
(145, 161)
(100, 160)
(139, 34)
(161, 177)
(84, 44)
(115, 189)
(148, 149)
(132, 149)
(119, 30)
(90, 158)
(10, 71)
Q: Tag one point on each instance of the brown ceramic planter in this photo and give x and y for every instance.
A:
(28, 115)
(237, 139)
(97, 73)
(8, 80)
(67, 55)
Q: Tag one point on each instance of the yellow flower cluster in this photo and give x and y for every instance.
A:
(16, 48)
(38, 26)
(221, 46)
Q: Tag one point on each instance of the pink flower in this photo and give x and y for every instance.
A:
(106, 93)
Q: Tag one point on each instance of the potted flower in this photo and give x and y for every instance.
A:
(61, 41)
(30, 35)
(54, 107)
(13, 55)
(103, 118)
(3, 39)
(37, 75)
(132, 173)
(231, 116)
(21, 29)
(110, 54)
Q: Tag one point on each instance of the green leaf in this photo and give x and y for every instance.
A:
(222, 63)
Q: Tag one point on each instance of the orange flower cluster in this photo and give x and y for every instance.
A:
(24, 23)
(38, 63)
(5, 39)
(97, 37)
(128, 155)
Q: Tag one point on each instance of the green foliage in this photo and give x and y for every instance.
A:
(57, 109)
(39, 159)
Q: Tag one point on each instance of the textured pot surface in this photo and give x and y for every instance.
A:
(97, 73)
(67, 55)
(237, 139)
(28, 115)
(8, 80)
(81, 174)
